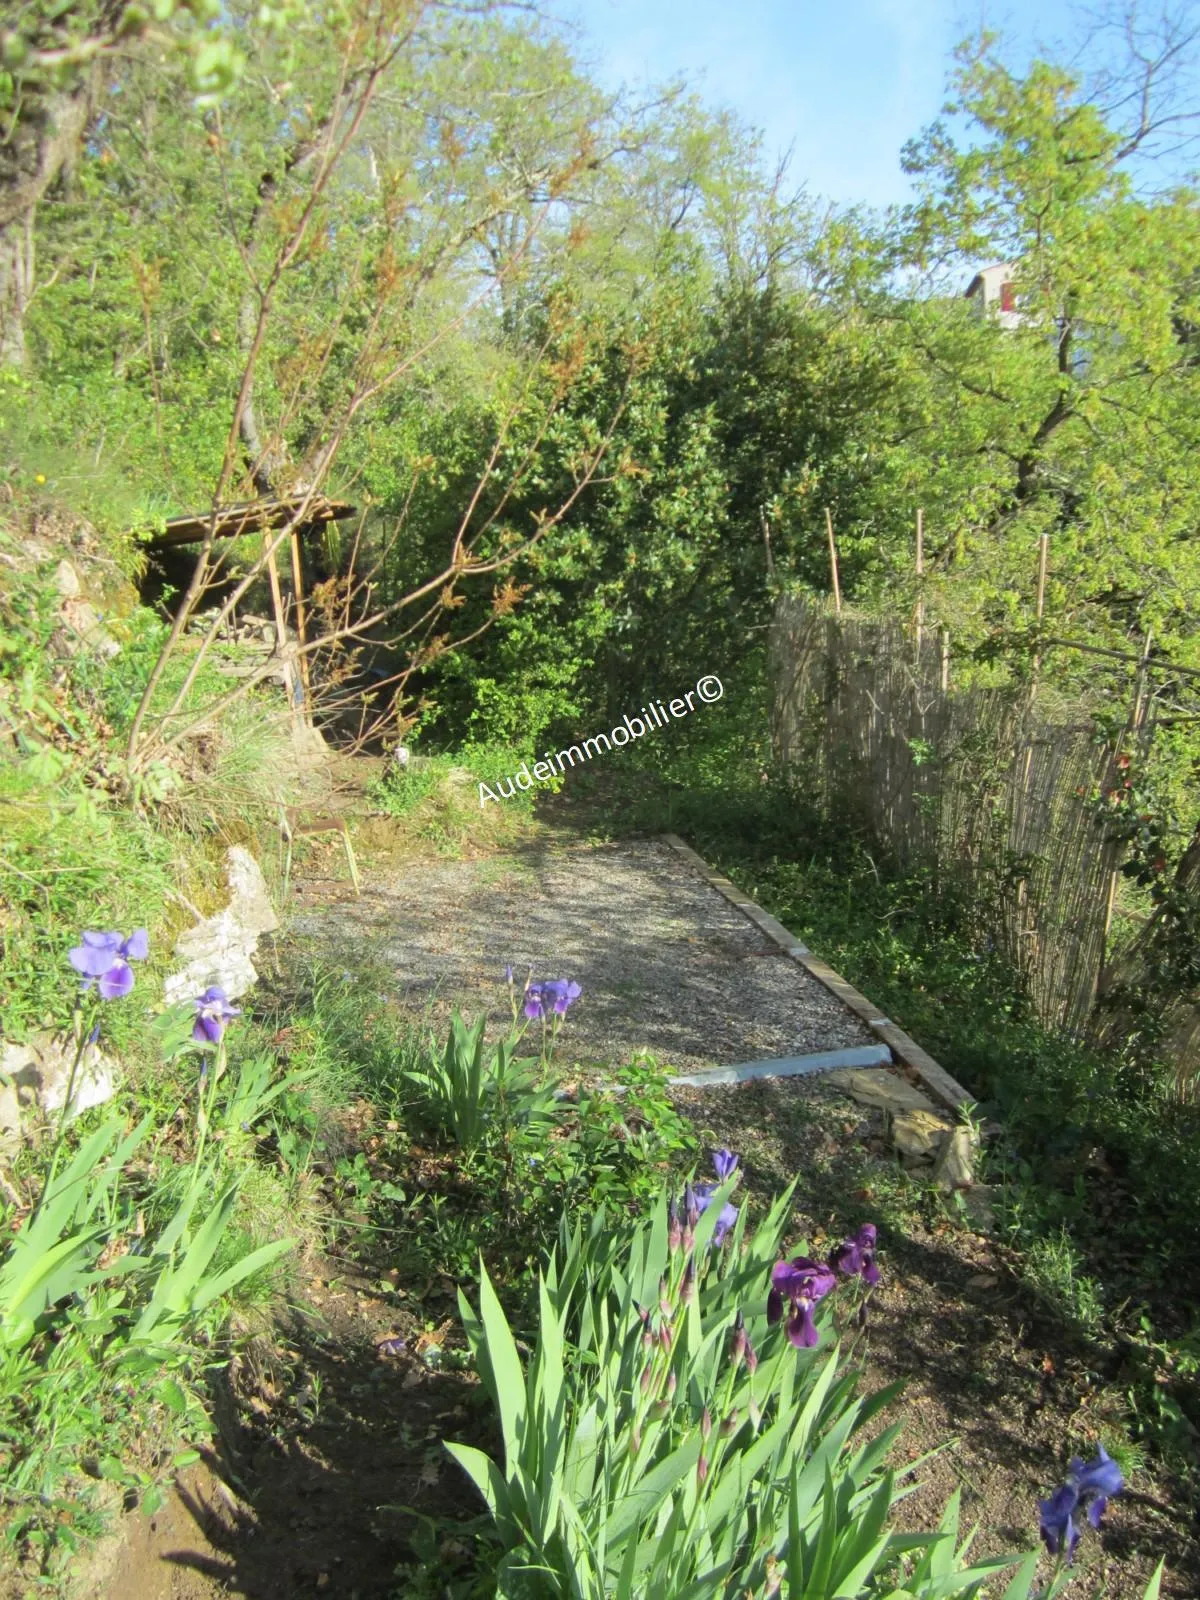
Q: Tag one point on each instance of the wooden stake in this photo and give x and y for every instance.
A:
(1140, 685)
(277, 606)
(301, 631)
(766, 533)
(1043, 557)
(833, 562)
(1137, 717)
(920, 575)
(945, 660)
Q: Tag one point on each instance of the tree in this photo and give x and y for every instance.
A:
(52, 67)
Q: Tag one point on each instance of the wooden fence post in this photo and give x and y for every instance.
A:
(920, 576)
(280, 623)
(1043, 557)
(301, 628)
(1136, 719)
(833, 562)
(1036, 664)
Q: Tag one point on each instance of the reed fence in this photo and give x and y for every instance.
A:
(994, 784)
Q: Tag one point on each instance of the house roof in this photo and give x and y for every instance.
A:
(981, 274)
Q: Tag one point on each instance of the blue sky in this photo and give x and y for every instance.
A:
(846, 84)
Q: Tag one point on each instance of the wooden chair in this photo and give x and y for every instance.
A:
(293, 823)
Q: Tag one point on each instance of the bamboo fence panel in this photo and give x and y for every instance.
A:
(953, 782)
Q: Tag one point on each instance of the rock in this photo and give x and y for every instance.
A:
(95, 1082)
(249, 889)
(219, 949)
(876, 1086)
(953, 1169)
(918, 1134)
(66, 581)
(10, 1122)
(83, 620)
(979, 1204)
(38, 1071)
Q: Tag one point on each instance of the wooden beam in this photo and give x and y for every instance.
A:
(236, 521)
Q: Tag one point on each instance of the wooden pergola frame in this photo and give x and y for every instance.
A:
(264, 516)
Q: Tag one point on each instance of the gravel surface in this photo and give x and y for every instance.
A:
(666, 963)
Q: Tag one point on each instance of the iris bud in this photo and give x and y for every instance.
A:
(687, 1289)
(738, 1349)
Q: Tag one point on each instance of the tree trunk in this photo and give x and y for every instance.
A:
(16, 280)
(42, 141)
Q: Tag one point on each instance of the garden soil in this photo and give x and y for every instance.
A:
(324, 1449)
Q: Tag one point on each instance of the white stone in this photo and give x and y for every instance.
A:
(40, 1070)
(95, 1083)
(218, 951)
(979, 1202)
(886, 1091)
(84, 621)
(919, 1134)
(250, 898)
(66, 581)
(954, 1163)
(10, 1122)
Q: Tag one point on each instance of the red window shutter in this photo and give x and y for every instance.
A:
(1008, 298)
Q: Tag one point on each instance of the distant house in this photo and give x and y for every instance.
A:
(992, 292)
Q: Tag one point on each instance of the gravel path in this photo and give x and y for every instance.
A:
(665, 962)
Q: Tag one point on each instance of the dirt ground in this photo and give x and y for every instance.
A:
(323, 1444)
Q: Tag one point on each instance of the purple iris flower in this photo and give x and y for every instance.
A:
(553, 995)
(1089, 1487)
(724, 1163)
(1058, 1521)
(103, 960)
(702, 1196)
(856, 1256)
(801, 1283)
(1095, 1483)
(561, 994)
(213, 1014)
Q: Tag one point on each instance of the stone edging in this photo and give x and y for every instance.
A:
(918, 1064)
